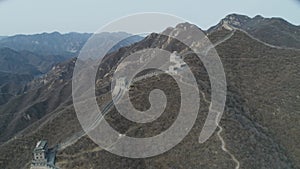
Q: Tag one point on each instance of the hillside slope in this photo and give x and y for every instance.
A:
(259, 128)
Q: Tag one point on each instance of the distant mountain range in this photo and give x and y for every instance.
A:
(67, 45)
(32, 56)
(47, 43)
(260, 125)
(36, 54)
(2, 37)
(25, 62)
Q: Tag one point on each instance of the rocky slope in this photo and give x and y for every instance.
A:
(12, 84)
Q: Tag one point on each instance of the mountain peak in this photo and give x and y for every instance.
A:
(55, 33)
(236, 20)
(180, 27)
(185, 25)
(258, 17)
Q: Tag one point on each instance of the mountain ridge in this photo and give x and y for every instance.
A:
(275, 31)
(259, 78)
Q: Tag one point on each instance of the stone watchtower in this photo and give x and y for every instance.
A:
(43, 157)
(40, 153)
(178, 61)
(120, 85)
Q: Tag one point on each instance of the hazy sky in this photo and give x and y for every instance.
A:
(36, 16)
